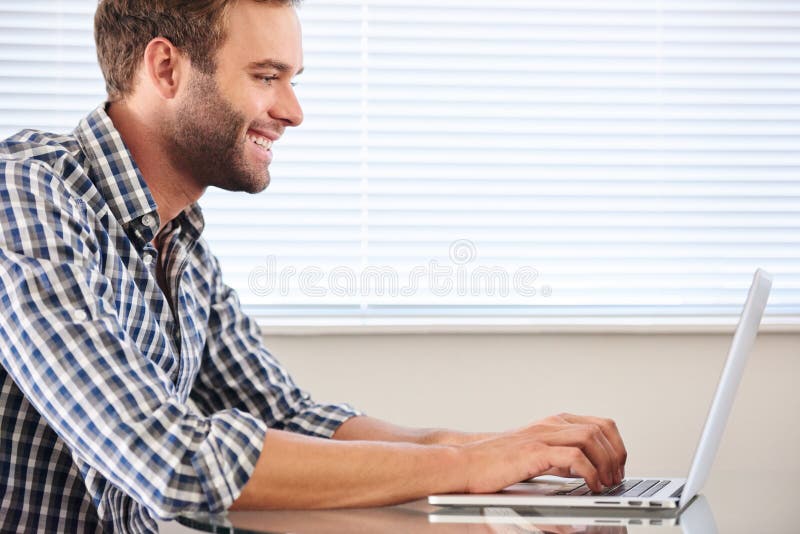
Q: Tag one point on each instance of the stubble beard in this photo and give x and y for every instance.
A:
(208, 143)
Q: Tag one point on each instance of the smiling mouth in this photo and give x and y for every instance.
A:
(261, 141)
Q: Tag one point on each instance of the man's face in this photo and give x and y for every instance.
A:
(226, 123)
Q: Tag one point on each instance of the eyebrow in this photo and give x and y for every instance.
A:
(273, 64)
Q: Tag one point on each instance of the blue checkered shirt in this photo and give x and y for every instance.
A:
(122, 402)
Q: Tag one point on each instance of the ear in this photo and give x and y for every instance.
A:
(164, 67)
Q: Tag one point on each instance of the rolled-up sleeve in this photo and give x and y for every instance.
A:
(62, 342)
(239, 372)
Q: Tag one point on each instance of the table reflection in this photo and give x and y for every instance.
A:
(420, 517)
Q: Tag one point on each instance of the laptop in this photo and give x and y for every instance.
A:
(645, 492)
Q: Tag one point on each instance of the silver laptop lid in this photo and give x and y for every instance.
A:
(741, 345)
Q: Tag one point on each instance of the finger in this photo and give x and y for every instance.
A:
(613, 465)
(591, 440)
(588, 437)
(574, 460)
(610, 431)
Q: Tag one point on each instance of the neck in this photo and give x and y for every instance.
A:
(171, 189)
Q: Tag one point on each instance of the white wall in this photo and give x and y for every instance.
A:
(657, 387)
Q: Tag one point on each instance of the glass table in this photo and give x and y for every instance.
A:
(725, 505)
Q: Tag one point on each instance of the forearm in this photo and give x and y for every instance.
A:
(369, 428)
(302, 472)
(296, 471)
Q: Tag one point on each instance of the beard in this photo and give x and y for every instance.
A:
(207, 142)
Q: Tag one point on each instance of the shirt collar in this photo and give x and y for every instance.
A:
(118, 179)
(191, 222)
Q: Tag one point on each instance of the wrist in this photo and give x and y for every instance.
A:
(452, 437)
(455, 476)
(447, 437)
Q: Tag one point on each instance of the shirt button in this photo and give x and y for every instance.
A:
(147, 259)
(80, 315)
(148, 220)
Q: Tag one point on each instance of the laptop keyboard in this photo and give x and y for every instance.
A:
(628, 488)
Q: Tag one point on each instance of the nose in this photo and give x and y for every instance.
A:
(287, 107)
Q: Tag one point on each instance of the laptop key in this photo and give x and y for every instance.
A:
(573, 490)
(655, 489)
(580, 490)
(641, 488)
(627, 485)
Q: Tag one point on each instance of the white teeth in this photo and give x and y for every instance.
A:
(260, 141)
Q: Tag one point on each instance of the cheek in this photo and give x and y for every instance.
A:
(259, 102)
(251, 106)
(239, 93)
(254, 98)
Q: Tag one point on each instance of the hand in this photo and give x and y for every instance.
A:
(564, 444)
(610, 432)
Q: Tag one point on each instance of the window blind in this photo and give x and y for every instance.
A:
(507, 161)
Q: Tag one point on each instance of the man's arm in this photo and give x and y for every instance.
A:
(372, 429)
(297, 471)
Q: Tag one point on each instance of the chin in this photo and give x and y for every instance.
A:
(244, 183)
(259, 189)
(255, 186)
(263, 183)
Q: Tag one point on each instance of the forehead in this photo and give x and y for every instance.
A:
(257, 31)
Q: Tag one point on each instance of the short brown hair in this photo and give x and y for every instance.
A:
(122, 29)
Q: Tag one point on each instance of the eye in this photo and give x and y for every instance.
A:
(268, 79)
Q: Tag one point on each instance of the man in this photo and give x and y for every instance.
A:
(133, 385)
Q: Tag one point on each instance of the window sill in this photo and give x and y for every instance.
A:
(505, 325)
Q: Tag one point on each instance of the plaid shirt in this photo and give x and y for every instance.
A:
(122, 403)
